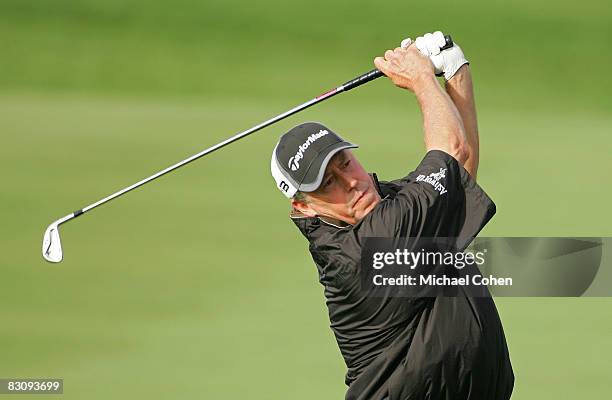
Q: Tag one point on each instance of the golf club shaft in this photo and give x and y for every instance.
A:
(353, 83)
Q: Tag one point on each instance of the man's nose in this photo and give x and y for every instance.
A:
(348, 181)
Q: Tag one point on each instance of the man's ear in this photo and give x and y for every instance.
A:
(304, 208)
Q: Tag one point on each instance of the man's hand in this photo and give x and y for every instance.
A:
(406, 67)
(447, 61)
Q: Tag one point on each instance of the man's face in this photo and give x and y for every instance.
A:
(347, 192)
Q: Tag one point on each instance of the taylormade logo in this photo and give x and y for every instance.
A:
(434, 180)
(294, 162)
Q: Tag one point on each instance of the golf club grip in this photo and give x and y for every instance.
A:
(361, 79)
(375, 73)
(449, 42)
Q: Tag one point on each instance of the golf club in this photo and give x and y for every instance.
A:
(52, 246)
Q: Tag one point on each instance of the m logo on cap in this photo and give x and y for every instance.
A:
(294, 162)
(283, 186)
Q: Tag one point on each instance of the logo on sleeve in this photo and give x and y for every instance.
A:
(434, 180)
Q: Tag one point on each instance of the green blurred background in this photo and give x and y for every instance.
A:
(198, 286)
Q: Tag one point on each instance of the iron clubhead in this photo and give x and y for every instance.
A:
(52, 246)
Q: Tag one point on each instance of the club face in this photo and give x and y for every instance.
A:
(52, 246)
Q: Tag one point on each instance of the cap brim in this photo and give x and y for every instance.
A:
(316, 169)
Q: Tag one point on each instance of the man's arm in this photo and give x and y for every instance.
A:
(460, 90)
(442, 123)
(453, 65)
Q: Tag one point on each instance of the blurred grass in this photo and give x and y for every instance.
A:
(198, 285)
(230, 49)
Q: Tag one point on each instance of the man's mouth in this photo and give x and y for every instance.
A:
(360, 198)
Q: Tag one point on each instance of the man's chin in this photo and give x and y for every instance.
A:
(368, 205)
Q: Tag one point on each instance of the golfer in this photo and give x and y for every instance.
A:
(401, 347)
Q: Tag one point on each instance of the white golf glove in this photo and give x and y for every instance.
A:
(445, 62)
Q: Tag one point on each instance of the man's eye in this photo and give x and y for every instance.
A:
(328, 181)
(346, 163)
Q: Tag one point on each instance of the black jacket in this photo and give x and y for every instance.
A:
(419, 347)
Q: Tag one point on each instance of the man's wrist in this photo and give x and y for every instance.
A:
(458, 80)
(423, 83)
(461, 73)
